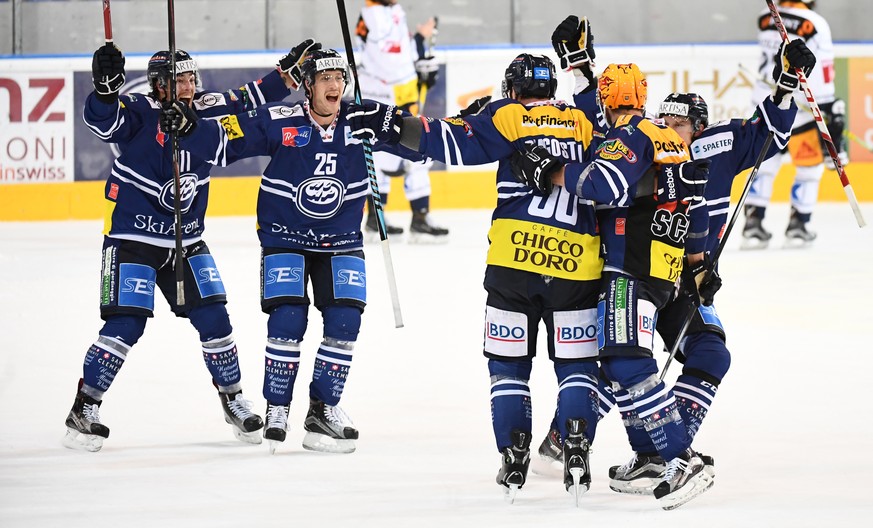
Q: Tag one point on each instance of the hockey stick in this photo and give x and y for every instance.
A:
(107, 21)
(177, 184)
(819, 121)
(375, 197)
(851, 136)
(695, 302)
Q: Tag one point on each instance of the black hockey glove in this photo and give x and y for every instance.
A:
(177, 117)
(427, 69)
(375, 121)
(835, 118)
(475, 107)
(574, 43)
(107, 72)
(793, 55)
(699, 282)
(681, 182)
(290, 63)
(534, 167)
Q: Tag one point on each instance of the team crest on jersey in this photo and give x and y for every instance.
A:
(615, 149)
(296, 136)
(188, 190)
(320, 197)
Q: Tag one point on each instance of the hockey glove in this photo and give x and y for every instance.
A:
(177, 117)
(699, 281)
(475, 107)
(534, 167)
(790, 56)
(375, 121)
(835, 118)
(107, 72)
(574, 43)
(681, 182)
(290, 63)
(427, 69)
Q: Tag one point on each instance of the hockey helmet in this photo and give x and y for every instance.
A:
(322, 60)
(158, 72)
(622, 86)
(689, 105)
(530, 76)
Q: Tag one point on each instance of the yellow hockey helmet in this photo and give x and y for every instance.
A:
(622, 86)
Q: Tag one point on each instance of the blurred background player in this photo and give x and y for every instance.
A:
(397, 69)
(139, 241)
(806, 149)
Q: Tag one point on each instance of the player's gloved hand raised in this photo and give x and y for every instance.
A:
(107, 72)
(534, 167)
(290, 63)
(475, 107)
(682, 182)
(574, 43)
(698, 281)
(835, 118)
(427, 69)
(375, 121)
(790, 56)
(178, 117)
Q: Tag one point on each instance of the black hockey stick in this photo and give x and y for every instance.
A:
(375, 197)
(177, 184)
(695, 301)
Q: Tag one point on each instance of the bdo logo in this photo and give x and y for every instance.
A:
(499, 332)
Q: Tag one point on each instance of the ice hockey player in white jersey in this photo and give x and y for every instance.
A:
(805, 150)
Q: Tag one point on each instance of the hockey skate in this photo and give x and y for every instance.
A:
(797, 235)
(328, 429)
(639, 476)
(577, 471)
(549, 461)
(277, 425)
(514, 464)
(84, 430)
(237, 412)
(684, 479)
(754, 234)
(422, 231)
(371, 230)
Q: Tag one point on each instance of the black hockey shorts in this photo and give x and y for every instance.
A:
(131, 271)
(337, 278)
(672, 316)
(626, 315)
(517, 302)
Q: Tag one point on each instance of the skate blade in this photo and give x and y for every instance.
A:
(699, 484)
(796, 243)
(577, 489)
(325, 444)
(82, 442)
(546, 466)
(425, 239)
(641, 486)
(753, 244)
(249, 438)
(273, 445)
(509, 492)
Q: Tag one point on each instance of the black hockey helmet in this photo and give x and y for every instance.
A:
(689, 105)
(158, 72)
(530, 76)
(321, 60)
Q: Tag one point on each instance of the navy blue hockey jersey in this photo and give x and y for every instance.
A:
(139, 190)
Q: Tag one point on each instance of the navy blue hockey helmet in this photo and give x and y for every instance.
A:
(530, 76)
(321, 60)
(158, 71)
(689, 105)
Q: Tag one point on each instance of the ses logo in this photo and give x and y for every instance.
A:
(351, 277)
(509, 334)
(208, 275)
(283, 274)
(320, 197)
(188, 188)
(296, 136)
(138, 286)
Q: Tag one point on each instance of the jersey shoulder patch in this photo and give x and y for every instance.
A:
(284, 111)
(206, 100)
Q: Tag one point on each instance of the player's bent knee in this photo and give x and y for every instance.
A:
(629, 371)
(211, 321)
(508, 369)
(707, 357)
(341, 322)
(288, 322)
(127, 328)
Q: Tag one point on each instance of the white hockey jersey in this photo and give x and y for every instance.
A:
(387, 47)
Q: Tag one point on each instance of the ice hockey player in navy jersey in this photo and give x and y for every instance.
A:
(139, 230)
(310, 212)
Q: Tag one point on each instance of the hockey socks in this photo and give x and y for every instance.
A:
(281, 365)
(332, 363)
(102, 362)
(510, 400)
(694, 397)
(221, 359)
(577, 396)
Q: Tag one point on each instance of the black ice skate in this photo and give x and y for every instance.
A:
(422, 231)
(754, 234)
(577, 471)
(797, 235)
(684, 479)
(237, 412)
(514, 464)
(639, 476)
(328, 429)
(84, 430)
(549, 461)
(276, 426)
(371, 230)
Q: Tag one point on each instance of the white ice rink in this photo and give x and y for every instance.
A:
(792, 440)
